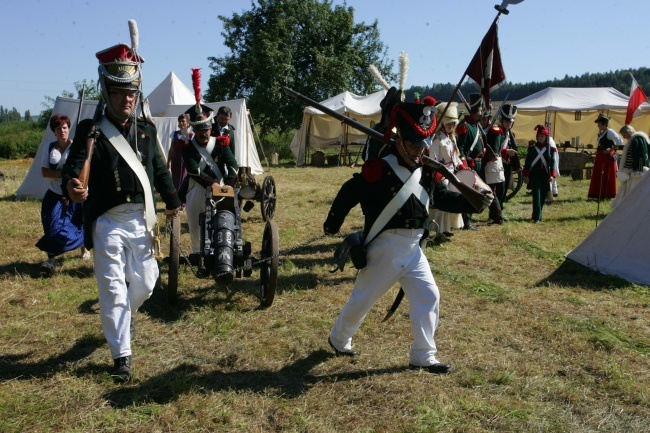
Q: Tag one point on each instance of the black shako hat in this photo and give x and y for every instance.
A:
(201, 117)
(415, 122)
(476, 102)
(509, 111)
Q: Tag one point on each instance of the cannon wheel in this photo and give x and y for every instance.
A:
(517, 181)
(174, 240)
(269, 263)
(268, 198)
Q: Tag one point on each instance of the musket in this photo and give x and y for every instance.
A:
(470, 194)
(90, 144)
(81, 103)
(488, 150)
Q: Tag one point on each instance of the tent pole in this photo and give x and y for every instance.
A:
(257, 137)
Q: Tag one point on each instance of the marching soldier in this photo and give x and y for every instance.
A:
(539, 169)
(394, 193)
(119, 211)
(502, 141)
(471, 143)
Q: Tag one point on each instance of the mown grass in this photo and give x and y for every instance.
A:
(537, 342)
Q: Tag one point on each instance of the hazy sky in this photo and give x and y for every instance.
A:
(49, 45)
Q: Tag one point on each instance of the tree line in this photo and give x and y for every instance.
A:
(619, 79)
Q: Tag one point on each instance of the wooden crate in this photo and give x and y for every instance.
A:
(572, 160)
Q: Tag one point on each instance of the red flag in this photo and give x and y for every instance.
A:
(486, 68)
(637, 97)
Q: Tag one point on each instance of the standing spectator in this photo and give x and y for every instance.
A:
(603, 177)
(223, 128)
(119, 211)
(62, 219)
(539, 169)
(554, 188)
(634, 162)
(180, 139)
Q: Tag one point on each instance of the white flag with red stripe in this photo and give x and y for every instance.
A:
(637, 97)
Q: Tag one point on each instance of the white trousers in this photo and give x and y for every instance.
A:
(126, 271)
(194, 206)
(394, 257)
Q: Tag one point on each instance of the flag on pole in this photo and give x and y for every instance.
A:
(486, 68)
(637, 97)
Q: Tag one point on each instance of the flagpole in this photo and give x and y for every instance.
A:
(460, 83)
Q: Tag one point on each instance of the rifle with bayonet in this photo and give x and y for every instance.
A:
(476, 198)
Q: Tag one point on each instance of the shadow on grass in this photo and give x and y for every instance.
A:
(33, 270)
(291, 381)
(209, 294)
(573, 274)
(11, 366)
(20, 268)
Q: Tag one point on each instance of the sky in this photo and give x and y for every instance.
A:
(50, 45)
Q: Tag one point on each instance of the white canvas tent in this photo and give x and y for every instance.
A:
(572, 112)
(34, 185)
(170, 91)
(319, 130)
(245, 150)
(618, 245)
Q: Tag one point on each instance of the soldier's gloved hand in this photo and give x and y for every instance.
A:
(231, 181)
(488, 197)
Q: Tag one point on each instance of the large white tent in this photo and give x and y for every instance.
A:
(245, 150)
(34, 185)
(618, 245)
(170, 91)
(320, 131)
(572, 112)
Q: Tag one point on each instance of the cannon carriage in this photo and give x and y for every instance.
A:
(225, 255)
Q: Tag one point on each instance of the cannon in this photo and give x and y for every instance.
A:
(225, 255)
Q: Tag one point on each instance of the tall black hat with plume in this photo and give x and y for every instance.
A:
(201, 116)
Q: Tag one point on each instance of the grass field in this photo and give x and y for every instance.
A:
(537, 342)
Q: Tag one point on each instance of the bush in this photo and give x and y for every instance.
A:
(20, 139)
(278, 142)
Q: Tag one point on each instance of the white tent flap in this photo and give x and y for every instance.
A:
(320, 130)
(618, 245)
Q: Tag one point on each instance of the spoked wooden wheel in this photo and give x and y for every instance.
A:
(268, 198)
(174, 241)
(269, 263)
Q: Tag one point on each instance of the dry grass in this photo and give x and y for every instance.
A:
(537, 343)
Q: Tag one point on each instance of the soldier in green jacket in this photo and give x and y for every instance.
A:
(119, 211)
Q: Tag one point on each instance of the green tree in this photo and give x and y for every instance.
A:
(28, 116)
(311, 46)
(92, 90)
